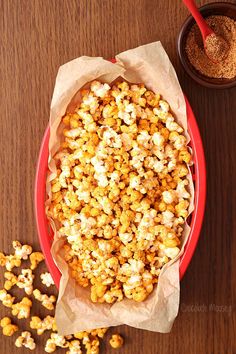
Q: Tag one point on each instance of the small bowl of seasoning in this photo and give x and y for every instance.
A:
(221, 18)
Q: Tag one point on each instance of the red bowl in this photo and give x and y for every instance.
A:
(195, 220)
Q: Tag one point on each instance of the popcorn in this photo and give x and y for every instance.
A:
(47, 279)
(12, 261)
(120, 196)
(48, 323)
(169, 196)
(167, 218)
(172, 252)
(8, 329)
(21, 252)
(6, 299)
(99, 89)
(11, 280)
(89, 339)
(47, 301)
(181, 191)
(22, 308)
(25, 281)
(3, 260)
(25, 340)
(55, 341)
(158, 139)
(116, 341)
(74, 347)
(35, 259)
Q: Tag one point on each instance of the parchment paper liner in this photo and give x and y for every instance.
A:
(148, 64)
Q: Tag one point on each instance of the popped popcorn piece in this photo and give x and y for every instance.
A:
(35, 259)
(3, 259)
(172, 252)
(55, 341)
(22, 308)
(169, 196)
(91, 346)
(158, 139)
(99, 89)
(11, 280)
(21, 251)
(7, 299)
(47, 279)
(181, 190)
(12, 261)
(74, 347)
(25, 340)
(50, 346)
(167, 218)
(48, 323)
(47, 301)
(25, 281)
(8, 329)
(116, 341)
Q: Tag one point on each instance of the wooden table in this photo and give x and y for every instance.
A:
(36, 37)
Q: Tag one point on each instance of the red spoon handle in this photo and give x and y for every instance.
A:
(204, 28)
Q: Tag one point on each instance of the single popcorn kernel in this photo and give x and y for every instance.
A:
(47, 301)
(21, 251)
(22, 308)
(120, 197)
(25, 281)
(12, 261)
(47, 279)
(7, 299)
(11, 280)
(25, 340)
(3, 260)
(35, 259)
(116, 341)
(8, 329)
(48, 323)
(55, 341)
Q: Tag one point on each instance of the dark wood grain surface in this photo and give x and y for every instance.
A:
(36, 37)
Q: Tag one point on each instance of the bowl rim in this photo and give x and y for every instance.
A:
(197, 216)
(187, 66)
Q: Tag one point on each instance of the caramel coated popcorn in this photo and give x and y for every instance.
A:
(121, 191)
(8, 328)
(25, 340)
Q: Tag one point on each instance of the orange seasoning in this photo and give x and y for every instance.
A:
(224, 66)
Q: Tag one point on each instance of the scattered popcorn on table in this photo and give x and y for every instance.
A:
(8, 329)
(116, 341)
(47, 301)
(22, 308)
(73, 344)
(35, 259)
(47, 279)
(25, 340)
(121, 191)
(25, 281)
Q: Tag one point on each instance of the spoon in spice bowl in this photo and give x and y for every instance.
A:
(216, 48)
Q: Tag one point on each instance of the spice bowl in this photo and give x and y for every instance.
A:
(217, 8)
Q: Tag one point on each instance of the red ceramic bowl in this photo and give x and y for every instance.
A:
(196, 218)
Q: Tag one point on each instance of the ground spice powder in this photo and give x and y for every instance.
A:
(225, 68)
